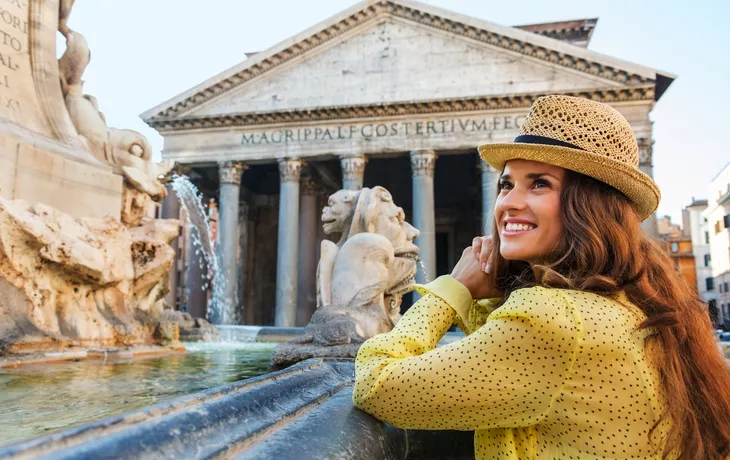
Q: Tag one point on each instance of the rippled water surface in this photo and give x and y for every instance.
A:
(39, 399)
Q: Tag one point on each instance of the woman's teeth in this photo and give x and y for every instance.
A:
(510, 227)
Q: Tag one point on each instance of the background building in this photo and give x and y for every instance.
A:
(718, 220)
(694, 224)
(677, 243)
(389, 93)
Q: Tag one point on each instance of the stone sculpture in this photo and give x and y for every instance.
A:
(361, 280)
(97, 282)
(93, 282)
(127, 151)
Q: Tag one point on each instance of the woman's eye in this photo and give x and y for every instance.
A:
(541, 183)
(505, 186)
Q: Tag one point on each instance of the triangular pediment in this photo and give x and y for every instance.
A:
(387, 51)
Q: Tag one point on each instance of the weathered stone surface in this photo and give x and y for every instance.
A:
(191, 329)
(80, 282)
(361, 280)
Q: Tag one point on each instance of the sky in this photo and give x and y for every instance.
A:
(147, 51)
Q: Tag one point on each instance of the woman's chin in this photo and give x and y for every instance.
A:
(516, 254)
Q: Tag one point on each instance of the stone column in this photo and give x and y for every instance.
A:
(287, 258)
(171, 210)
(353, 171)
(646, 148)
(230, 188)
(490, 177)
(422, 167)
(309, 214)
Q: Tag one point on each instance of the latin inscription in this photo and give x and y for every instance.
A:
(377, 130)
(13, 52)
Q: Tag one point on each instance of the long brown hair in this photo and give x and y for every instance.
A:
(603, 250)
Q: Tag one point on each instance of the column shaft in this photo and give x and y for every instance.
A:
(422, 166)
(230, 189)
(308, 249)
(490, 177)
(353, 172)
(171, 210)
(287, 258)
(646, 147)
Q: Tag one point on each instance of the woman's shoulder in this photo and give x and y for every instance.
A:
(538, 302)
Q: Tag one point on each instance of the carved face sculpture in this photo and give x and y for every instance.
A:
(387, 219)
(337, 215)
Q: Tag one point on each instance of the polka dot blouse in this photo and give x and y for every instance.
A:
(550, 374)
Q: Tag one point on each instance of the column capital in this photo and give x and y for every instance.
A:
(423, 162)
(353, 167)
(230, 172)
(646, 147)
(307, 183)
(290, 169)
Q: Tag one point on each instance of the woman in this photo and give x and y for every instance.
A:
(583, 341)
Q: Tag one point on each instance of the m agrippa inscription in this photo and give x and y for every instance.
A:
(18, 99)
(365, 131)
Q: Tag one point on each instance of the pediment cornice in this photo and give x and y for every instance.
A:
(537, 47)
(509, 101)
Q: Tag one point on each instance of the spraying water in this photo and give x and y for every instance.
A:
(220, 311)
(426, 278)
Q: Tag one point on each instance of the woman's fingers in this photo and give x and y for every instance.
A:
(476, 246)
(486, 250)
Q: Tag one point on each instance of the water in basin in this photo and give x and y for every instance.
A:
(39, 399)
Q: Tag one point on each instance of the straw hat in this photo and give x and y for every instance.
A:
(584, 136)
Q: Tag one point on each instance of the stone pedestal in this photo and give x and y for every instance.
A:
(230, 189)
(353, 171)
(422, 167)
(490, 177)
(287, 258)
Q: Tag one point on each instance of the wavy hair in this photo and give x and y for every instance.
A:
(603, 250)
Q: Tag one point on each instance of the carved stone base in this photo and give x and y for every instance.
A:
(290, 353)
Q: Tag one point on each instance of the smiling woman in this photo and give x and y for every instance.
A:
(578, 326)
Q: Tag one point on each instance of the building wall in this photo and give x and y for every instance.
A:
(699, 233)
(718, 220)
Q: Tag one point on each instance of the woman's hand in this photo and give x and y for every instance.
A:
(473, 269)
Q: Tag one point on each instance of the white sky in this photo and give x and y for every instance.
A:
(146, 51)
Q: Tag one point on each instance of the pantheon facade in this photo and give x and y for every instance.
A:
(388, 92)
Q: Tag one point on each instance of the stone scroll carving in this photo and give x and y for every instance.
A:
(361, 280)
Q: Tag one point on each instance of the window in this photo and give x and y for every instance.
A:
(707, 237)
(726, 220)
(675, 247)
(708, 260)
(719, 288)
(710, 284)
(725, 286)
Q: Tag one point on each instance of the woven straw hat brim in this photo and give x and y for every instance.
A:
(632, 182)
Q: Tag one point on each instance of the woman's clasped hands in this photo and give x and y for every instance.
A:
(474, 271)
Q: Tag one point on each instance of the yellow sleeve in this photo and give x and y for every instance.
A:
(470, 314)
(505, 374)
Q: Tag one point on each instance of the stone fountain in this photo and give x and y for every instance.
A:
(81, 263)
(361, 280)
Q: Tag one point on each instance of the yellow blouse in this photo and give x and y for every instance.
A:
(552, 373)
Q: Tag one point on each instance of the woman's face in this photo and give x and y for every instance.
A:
(527, 210)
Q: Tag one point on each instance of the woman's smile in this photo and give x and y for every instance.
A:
(516, 227)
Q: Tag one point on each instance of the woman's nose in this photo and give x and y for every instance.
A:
(515, 199)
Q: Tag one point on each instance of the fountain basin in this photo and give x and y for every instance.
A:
(303, 412)
(37, 399)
